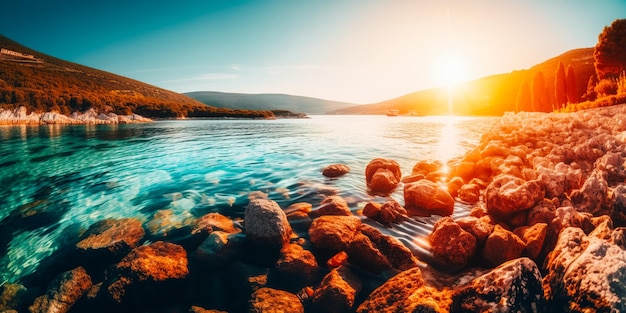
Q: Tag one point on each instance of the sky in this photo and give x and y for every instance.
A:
(357, 51)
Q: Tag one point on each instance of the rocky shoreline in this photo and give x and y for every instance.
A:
(19, 116)
(546, 234)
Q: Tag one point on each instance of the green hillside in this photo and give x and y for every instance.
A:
(491, 95)
(51, 84)
(240, 101)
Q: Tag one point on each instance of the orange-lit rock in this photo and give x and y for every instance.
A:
(334, 232)
(295, 268)
(382, 175)
(335, 170)
(111, 237)
(501, 246)
(452, 246)
(470, 193)
(267, 300)
(66, 289)
(427, 198)
(534, 237)
(508, 194)
(333, 205)
(395, 294)
(337, 292)
(266, 224)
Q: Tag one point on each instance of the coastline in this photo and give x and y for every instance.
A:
(19, 116)
(550, 199)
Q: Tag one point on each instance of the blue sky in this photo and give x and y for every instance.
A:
(359, 51)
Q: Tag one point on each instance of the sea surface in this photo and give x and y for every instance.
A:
(55, 181)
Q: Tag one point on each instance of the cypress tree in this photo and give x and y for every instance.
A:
(560, 91)
(538, 90)
(524, 98)
(571, 88)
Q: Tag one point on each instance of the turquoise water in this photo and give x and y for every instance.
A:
(57, 180)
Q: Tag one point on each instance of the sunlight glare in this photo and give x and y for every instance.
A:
(451, 69)
(449, 145)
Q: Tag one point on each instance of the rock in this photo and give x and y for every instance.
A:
(364, 254)
(220, 248)
(395, 295)
(243, 280)
(111, 238)
(501, 246)
(164, 224)
(462, 169)
(197, 309)
(397, 254)
(585, 274)
(470, 193)
(266, 224)
(392, 211)
(211, 222)
(534, 237)
(334, 232)
(454, 185)
(612, 163)
(63, 292)
(515, 286)
(618, 207)
(266, 300)
(148, 276)
(12, 297)
(382, 176)
(427, 198)
(336, 170)
(333, 205)
(509, 194)
(337, 292)
(426, 167)
(452, 246)
(477, 227)
(295, 268)
(372, 210)
(593, 196)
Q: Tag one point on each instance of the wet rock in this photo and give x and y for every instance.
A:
(12, 297)
(337, 292)
(364, 254)
(427, 198)
(63, 292)
(382, 175)
(197, 309)
(501, 246)
(220, 248)
(266, 224)
(534, 237)
(110, 238)
(397, 254)
(454, 186)
(395, 295)
(372, 210)
(463, 169)
(452, 246)
(509, 194)
(333, 205)
(164, 224)
(266, 300)
(470, 193)
(425, 167)
(211, 222)
(593, 196)
(585, 274)
(149, 275)
(336, 170)
(295, 268)
(334, 232)
(515, 286)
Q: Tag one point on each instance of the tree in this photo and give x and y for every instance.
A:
(570, 86)
(590, 94)
(610, 51)
(524, 98)
(560, 91)
(538, 91)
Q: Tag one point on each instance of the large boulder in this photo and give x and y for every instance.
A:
(334, 232)
(424, 197)
(397, 294)
(266, 224)
(382, 175)
(398, 255)
(585, 274)
(451, 245)
(148, 276)
(508, 194)
(268, 300)
(337, 292)
(63, 292)
(515, 286)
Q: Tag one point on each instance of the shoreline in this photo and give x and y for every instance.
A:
(549, 194)
(90, 117)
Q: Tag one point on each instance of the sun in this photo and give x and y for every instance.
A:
(451, 69)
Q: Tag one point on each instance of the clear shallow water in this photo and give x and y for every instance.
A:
(58, 180)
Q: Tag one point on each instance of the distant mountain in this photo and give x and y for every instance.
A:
(491, 95)
(42, 83)
(241, 101)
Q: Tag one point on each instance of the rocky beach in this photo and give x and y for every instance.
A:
(20, 116)
(545, 234)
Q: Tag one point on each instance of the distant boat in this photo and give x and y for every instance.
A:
(414, 113)
(393, 112)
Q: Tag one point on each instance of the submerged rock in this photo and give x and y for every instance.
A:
(63, 292)
(266, 224)
(266, 300)
(337, 292)
(336, 170)
(333, 205)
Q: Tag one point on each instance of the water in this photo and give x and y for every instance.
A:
(58, 180)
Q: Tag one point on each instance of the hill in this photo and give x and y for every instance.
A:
(240, 101)
(42, 83)
(491, 95)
